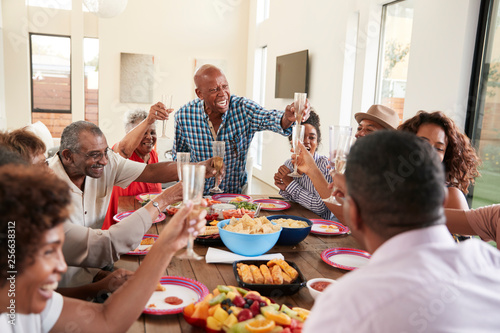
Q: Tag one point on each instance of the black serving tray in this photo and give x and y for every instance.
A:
(273, 290)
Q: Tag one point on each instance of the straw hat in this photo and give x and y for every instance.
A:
(380, 114)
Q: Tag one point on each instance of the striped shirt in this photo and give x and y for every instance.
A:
(239, 124)
(302, 191)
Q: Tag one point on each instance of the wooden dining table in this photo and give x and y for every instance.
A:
(306, 255)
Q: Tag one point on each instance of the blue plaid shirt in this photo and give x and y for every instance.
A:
(239, 124)
(302, 190)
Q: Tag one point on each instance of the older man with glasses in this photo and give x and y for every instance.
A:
(91, 169)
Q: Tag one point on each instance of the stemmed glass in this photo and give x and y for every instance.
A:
(218, 148)
(182, 158)
(299, 104)
(345, 143)
(336, 132)
(167, 101)
(297, 135)
(193, 176)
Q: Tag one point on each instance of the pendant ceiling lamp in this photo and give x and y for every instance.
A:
(105, 8)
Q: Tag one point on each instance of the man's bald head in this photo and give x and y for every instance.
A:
(206, 71)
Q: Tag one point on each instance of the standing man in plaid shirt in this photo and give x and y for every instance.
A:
(219, 116)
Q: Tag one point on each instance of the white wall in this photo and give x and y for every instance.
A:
(174, 32)
(3, 118)
(439, 68)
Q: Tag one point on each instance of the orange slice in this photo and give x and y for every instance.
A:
(279, 318)
(260, 326)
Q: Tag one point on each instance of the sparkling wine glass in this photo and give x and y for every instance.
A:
(335, 133)
(345, 143)
(193, 176)
(297, 136)
(219, 148)
(299, 104)
(182, 158)
(167, 101)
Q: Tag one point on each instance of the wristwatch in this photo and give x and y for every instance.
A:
(157, 205)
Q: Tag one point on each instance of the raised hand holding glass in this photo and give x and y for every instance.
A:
(218, 148)
(297, 135)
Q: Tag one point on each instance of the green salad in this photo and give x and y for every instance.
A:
(245, 204)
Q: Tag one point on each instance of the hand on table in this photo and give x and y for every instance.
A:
(281, 178)
(114, 280)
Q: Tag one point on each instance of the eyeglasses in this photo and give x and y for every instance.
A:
(96, 155)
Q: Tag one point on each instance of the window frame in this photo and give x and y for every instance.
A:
(31, 76)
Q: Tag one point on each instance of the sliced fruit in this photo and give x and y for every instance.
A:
(303, 313)
(188, 310)
(223, 289)
(220, 314)
(239, 301)
(260, 326)
(212, 309)
(214, 324)
(217, 299)
(255, 308)
(231, 295)
(242, 291)
(280, 318)
(245, 314)
(236, 310)
(201, 310)
(230, 321)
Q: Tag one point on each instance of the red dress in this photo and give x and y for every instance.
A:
(134, 188)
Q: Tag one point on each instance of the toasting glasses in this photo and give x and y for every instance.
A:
(297, 136)
(336, 135)
(182, 158)
(193, 179)
(218, 147)
(167, 101)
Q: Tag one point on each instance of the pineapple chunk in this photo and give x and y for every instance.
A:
(214, 324)
(221, 315)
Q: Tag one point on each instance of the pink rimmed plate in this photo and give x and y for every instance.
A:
(226, 197)
(183, 289)
(327, 227)
(345, 258)
(120, 216)
(142, 250)
(272, 204)
(146, 196)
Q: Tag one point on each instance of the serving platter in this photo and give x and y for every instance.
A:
(120, 216)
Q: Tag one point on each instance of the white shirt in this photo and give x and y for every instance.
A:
(90, 206)
(88, 209)
(417, 281)
(35, 322)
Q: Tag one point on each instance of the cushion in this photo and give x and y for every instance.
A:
(42, 132)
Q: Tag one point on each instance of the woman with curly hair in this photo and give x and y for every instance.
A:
(26, 143)
(301, 190)
(34, 205)
(454, 148)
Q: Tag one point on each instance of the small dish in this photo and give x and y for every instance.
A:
(273, 290)
(315, 284)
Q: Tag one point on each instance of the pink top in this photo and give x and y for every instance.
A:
(484, 221)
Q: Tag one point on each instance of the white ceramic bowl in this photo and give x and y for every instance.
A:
(315, 293)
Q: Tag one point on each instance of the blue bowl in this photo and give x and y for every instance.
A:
(292, 236)
(247, 244)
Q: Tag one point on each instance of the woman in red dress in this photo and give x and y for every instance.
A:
(137, 145)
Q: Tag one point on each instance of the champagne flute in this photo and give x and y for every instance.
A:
(299, 104)
(193, 176)
(219, 148)
(167, 101)
(335, 133)
(297, 135)
(345, 142)
(182, 158)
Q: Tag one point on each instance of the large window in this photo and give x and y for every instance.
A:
(394, 53)
(483, 123)
(91, 62)
(51, 81)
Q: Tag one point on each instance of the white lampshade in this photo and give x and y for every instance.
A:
(106, 8)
